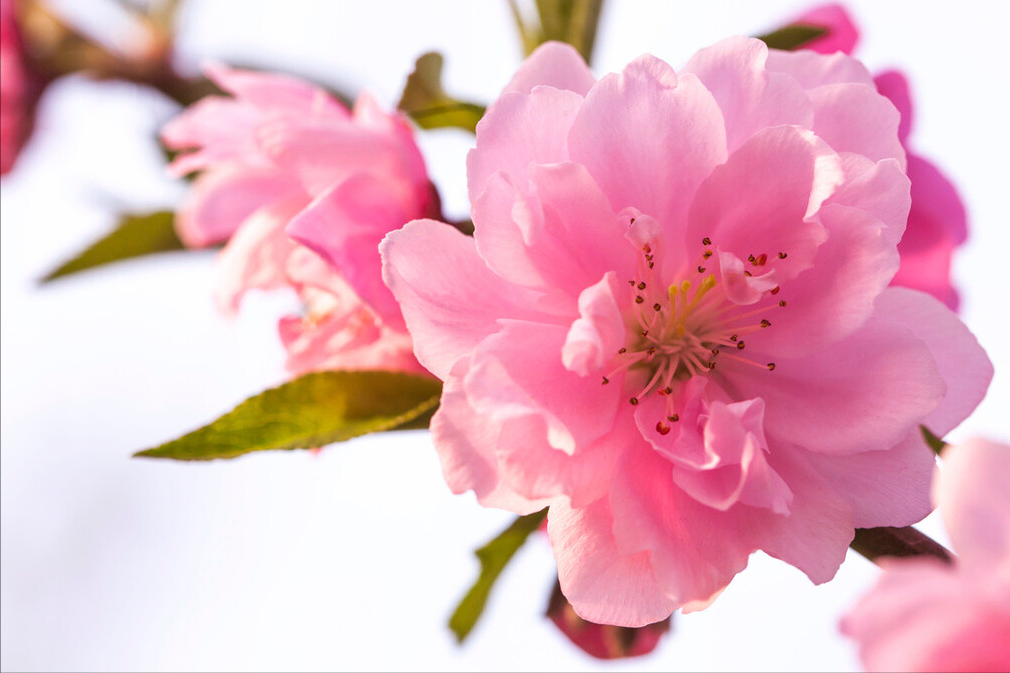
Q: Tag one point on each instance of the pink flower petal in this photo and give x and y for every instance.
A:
(631, 128)
(813, 70)
(434, 297)
(220, 201)
(894, 86)
(855, 118)
(975, 503)
(601, 584)
(518, 130)
(553, 64)
(963, 364)
(750, 98)
(598, 333)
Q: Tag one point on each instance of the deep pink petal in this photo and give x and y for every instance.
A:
(603, 585)
(345, 226)
(451, 305)
(962, 362)
(842, 33)
(894, 85)
(649, 138)
(934, 197)
(750, 98)
(553, 64)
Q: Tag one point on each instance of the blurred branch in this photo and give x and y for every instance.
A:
(878, 543)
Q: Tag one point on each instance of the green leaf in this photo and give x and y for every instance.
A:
(792, 37)
(934, 442)
(136, 235)
(429, 105)
(493, 557)
(311, 411)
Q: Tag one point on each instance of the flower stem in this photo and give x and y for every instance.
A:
(878, 543)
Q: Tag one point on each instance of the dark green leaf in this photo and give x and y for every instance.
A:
(429, 105)
(792, 37)
(493, 557)
(136, 235)
(311, 411)
(934, 442)
(879, 543)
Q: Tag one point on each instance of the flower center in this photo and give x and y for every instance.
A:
(682, 330)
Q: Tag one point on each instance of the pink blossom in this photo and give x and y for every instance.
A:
(18, 89)
(673, 325)
(281, 153)
(924, 615)
(936, 221)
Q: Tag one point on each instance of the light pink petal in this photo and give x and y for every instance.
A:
(218, 129)
(883, 488)
(273, 91)
(561, 235)
(256, 257)
(344, 226)
(750, 97)
(974, 500)
(519, 130)
(603, 585)
(451, 305)
(812, 70)
(760, 201)
(221, 200)
(925, 616)
(694, 550)
(649, 138)
(962, 362)
(466, 444)
(842, 33)
(879, 188)
(322, 155)
(894, 86)
(508, 379)
(855, 118)
(835, 297)
(815, 536)
(863, 393)
(599, 332)
(553, 64)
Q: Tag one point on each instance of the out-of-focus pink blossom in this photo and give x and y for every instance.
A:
(673, 325)
(923, 615)
(19, 89)
(603, 641)
(936, 220)
(278, 153)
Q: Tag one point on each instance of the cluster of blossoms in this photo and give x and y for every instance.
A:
(284, 154)
(702, 313)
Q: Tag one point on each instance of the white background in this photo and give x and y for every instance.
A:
(353, 559)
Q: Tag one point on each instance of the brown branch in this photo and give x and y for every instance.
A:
(878, 543)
